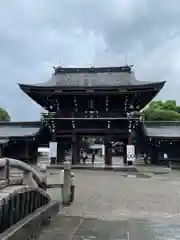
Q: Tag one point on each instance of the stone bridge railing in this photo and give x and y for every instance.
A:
(24, 202)
(17, 202)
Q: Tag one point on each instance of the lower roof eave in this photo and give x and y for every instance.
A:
(28, 137)
(154, 85)
(19, 130)
(164, 137)
(4, 141)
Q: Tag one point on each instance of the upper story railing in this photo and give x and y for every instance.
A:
(89, 114)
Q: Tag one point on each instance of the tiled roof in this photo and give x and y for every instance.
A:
(111, 77)
(13, 129)
(4, 140)
(163, 129)
(93, 77)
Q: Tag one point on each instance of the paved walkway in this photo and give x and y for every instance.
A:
(110, 206)
(117, 161)
(117, 166)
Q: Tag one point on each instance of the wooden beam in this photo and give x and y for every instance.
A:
(92, 119)
(67, 133)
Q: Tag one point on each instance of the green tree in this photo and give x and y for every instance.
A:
(161, 115)
(4, 115)
(155, 105)
(169, 105)
(86, 142)
(162, 111)
(178, 109)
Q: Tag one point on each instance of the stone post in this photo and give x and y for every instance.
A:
(66, 193)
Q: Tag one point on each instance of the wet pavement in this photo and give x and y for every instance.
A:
(78, 228)
(109, 206)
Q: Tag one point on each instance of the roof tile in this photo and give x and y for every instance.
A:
(163, 129)
(93, 79)
(7, 131)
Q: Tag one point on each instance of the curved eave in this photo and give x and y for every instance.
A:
(155, 91)
(38, 93)
(33, 94)
(153, 85)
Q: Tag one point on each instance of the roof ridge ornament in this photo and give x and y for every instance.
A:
(125, 68)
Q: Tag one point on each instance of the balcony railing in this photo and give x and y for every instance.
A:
(89, 114)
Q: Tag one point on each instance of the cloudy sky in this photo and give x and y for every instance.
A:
(36, 34)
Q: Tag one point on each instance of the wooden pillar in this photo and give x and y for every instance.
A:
(26, 151)
(78, 149)
(125, 151)
(34, 151)
(60, 152)
(1, 150)
(18, 150)
(108, 151)
(76, 145)
(129, 139)
(154, 155)
(74, 149)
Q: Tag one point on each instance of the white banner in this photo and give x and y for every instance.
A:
(130, 153)
(52, 149)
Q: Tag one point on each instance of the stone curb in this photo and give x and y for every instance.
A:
(121, 169)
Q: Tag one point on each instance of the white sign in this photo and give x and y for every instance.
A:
(165, 156)
(130, 153)
(52, 149)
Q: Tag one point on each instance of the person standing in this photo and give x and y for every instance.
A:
(145, 158)
(84, 157)
(81, 154)
(93, 157)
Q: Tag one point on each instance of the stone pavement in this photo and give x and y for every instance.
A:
(78, 228)
(110, 206)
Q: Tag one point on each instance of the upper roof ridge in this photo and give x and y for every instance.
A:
(92, 69)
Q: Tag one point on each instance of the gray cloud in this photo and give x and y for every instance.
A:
(34, 35)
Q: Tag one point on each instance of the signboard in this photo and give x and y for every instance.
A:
(130, 153)
(52, 149)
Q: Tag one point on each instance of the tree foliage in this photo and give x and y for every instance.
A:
(162, 111)
(4, 115)
(87, 142)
